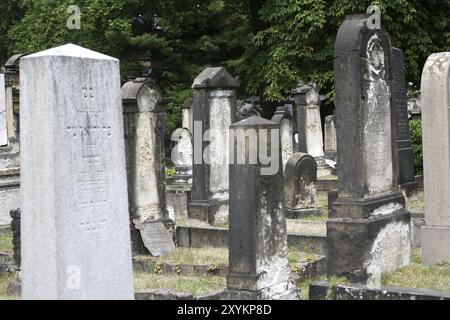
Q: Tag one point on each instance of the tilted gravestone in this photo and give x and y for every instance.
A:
(258, 247)
(74, 209)
(287, 129)
(405, 153)
(157, 238)
(330, 138)
(368, 232)
(214, 111)
(300, 186)
(436, 158)
(144, 124)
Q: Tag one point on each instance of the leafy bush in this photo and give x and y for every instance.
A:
(415, 129)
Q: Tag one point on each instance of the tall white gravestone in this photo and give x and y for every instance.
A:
(436, 158)
(3, 131)
(75, 226)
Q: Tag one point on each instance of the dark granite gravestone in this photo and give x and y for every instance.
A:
(405, 152)
(157, 238)
(214, 111)
(368, 232)
(300, 186)
(258, 247)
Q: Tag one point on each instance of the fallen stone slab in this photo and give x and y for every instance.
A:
(322, 291)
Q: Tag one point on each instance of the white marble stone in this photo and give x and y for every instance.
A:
(3, 126)
(436, 158)
(75, 221)
(314, 138)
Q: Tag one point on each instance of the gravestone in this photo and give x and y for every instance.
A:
(405, 153)
(436, 158)
(144, 125)
(188, 115)
(182, 155)
(369, 229)
(247, 110)
(157, 238)
(310, 138)
(214, 111)
(287, 129)
(258, 249)
(3, 130)
(330, 138)
(74, 209)
(300, 187)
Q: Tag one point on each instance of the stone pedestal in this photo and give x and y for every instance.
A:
(369, 229)
(74, 208)
(436, 158)
(258, 248)
(214, 111)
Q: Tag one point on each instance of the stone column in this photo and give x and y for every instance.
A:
(214, 112)
(406, 172)
(287, 129)
(436, 158)
(300, 186)
(74, 209)
(330, 138)
(258, 248)
(310, 137)
(368, 232)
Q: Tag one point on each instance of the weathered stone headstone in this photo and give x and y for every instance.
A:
(405, 152)
(144, 123)
(3, 130)
(157, 238)
(300, 186)
(330, 138)
(287, 129)
(182, 155)
(75, 226)
(369, 230)
(247, 110)
(258, 248)
(436, 158)
(310, 138)
(214, 112)
(188, 115)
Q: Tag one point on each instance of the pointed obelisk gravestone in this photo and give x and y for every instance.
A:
(75, 226)
(214, 111)
(369, 231)
(436, 158)
(258, 249)
(406, 171)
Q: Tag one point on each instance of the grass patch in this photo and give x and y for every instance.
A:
(6, 244)
(192, 285)
(416, 203)
(418, 276)
(5, 280)
(195, 256)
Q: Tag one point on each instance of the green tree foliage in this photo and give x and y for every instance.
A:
(277, 42)
(415, 129)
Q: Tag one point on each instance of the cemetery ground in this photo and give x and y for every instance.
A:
(196, 272)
